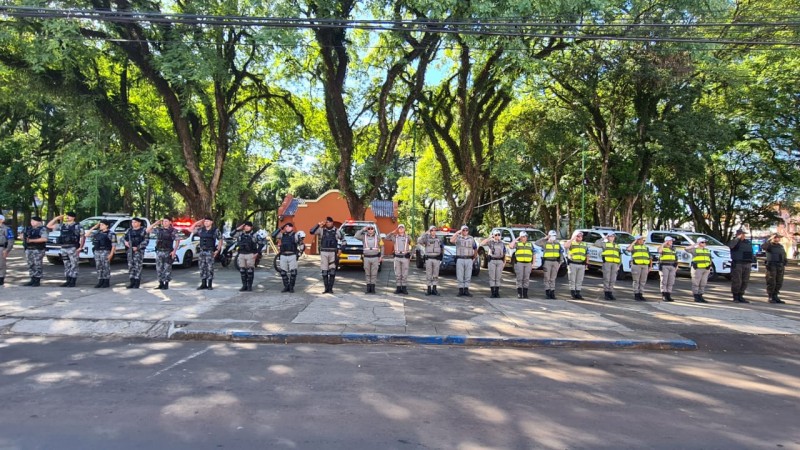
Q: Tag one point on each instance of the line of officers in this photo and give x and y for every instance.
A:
(249, 244)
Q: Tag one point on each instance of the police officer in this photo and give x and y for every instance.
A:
(611, 261)
(135, 240)
(6, 243)
(209, 247)
(668, 267)
(167, 242)
(71, 239)
(497, 260)
(552, 262)
(577, 257)
(103, 241)
(776, 265)
(701, 268)
(248, 245)
(402, 257)
(34, 241)
(288, 255)
(741, 264)
(523, 255)
(640, 266)
(466, 252)
(373, 255)
(328, 237)
(433, 258)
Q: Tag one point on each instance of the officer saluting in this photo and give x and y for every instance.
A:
(776, 266)
(209, 247)
(71, 239)
(288, 250)
(523, 254)
(611, 260)
(701, 263)
(552, 262)
(402, 257)
(741, 265)
(373, 255)
(103, 241)
(668, 267)
(640, 266)
(247, 244)
(34, 241)
(167, 241)
(433, 259)
(6, 243)
(578, 258)
(465, 254)
(497, 260)
(135, 240)
(329, 237)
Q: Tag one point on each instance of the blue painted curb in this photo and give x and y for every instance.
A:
(455, 340)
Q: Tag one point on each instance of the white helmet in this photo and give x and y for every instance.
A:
(301, 235)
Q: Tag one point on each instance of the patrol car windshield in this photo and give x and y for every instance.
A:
(89, 223)
(352, 228)
(445, 238)
(533, 234)
(624, 238)
(711, 240)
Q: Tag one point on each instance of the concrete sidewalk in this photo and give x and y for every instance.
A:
(349, 315)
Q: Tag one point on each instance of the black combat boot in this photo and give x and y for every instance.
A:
(372, 289)
(519, 292)
(2, 281)
(138, 282)
(553, 294)
(611, 296)
(639, 297)
(669, 297)
(331, 281)
(251, 276)
(243, 274)
(100, 284)
(572, 293)
(132, 284)
(429, 291)
(578, 295)
(73, 281)
(397, 289)
(65, 283)
(285, 279)
(210, 288)
(524, 292)
(699, 298)
(460, 292)
(405, 290)
(434, 290)
(292, 279)
(326, 282)
(36, 281)
(203, 285)
(467, 293)
(160, 285)
(107, 283)
(369, 289)
(777, 299)
(742, 299)
(665, 297)
(29, 283)
(166, 285)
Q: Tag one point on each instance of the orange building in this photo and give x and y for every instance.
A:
(304, 214)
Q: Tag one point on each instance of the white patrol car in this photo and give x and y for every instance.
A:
(119, 225)
(623, 239)
(187, 252)
(720, 253)
(507, 235)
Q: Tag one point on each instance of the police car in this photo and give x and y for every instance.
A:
(448, 254)
(623, 239)
(720, 253)
(507, 235)
(187, 252)
(119, 225)
(351, 249)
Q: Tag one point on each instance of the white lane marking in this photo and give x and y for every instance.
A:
(184, 360)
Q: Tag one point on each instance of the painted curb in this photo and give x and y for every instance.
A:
(454, 340)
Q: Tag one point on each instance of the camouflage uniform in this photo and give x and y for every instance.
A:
(135, 239)
(165, 244)
(209, 239)
(34, 253)
(103, 243)
(6, 243)
(69, 239)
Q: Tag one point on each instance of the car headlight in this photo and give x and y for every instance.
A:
(721, 254)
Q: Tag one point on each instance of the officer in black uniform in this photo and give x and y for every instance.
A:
(71, 239)
(34, 241)
(288, 250)
(248, 244)
(209, 247)
(776, 266)
(329, 237)
(135, 240)
(742, 262)
(103, 241)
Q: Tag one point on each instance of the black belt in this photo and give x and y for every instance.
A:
(550, 259)
(669, 264)
(637, 264)
(439, 256)
(402, 255)
(492, 258)
(208, 249)
(329, 250)
(577, 262)
(288, 253)
(372, 256)
(463, 257)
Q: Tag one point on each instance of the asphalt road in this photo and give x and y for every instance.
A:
(79, 394)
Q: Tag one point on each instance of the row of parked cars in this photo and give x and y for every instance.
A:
(120, 223)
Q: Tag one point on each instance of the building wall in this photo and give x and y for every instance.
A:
(332, 204)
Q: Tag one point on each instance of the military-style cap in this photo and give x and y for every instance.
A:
(71, 214)
(552, 233)
(106, 222)
(138, 219)
(247, 223)
(740, 231)
(638, 236)
(523, 234)
(464, 227)
(36, 218)
(329, 219)
(496, 233)
(432, 228)
(401, 226)
(701, 240)
(208, 218)
(611, 234)
(577, 233)
(288, 224)
(2, 217)
(668, 239)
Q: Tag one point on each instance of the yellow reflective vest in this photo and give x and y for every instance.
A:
(669, 256)
(641, 255)
(524, 252)
(552, 251)
(577, 252)
(611, 253)
(702, 258)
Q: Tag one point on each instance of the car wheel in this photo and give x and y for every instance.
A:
(187, 259)
(420, 262)
(713, 275)
(484, 260)
(476, 269)
(562, 271)
(55, 260)
(276, 263)
(514, 264)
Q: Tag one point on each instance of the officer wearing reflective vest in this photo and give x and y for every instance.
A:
(289, 245)
(135, 241)
(34, 241)
(552, 261)
(523, 259)
(667, 267)
(71, 239)
(640, 266)
(611, 261)
(497, 261)
(208, 248)
(433, 258)
(247, 246)
(103, 247)
(328, 237)
(701, 268)
(577, 257)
